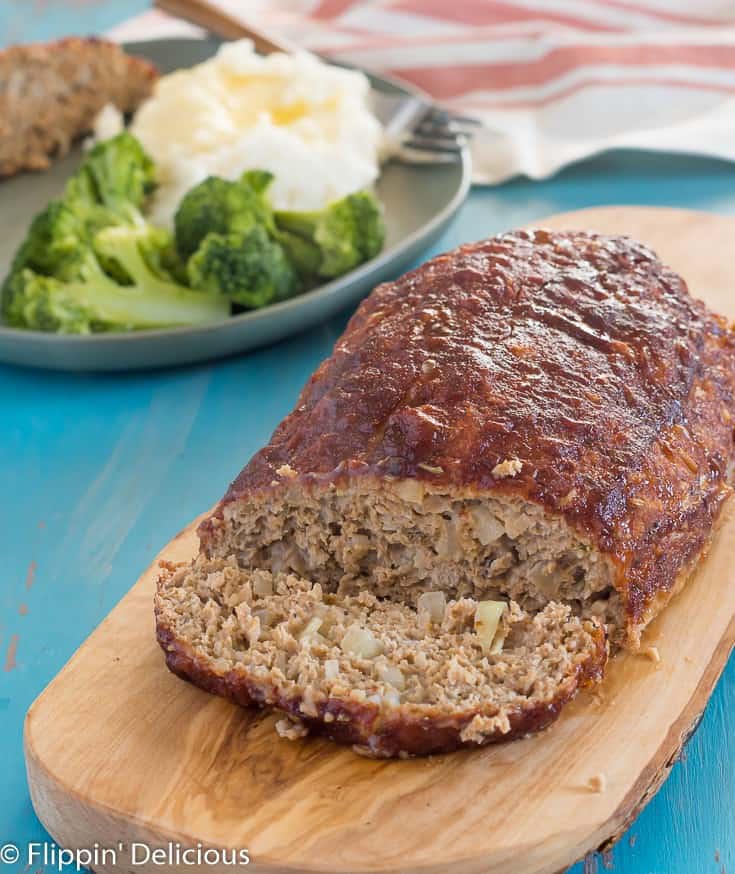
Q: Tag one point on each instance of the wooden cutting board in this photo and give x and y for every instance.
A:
(118, 750)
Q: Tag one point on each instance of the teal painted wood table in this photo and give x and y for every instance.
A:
(98, 472)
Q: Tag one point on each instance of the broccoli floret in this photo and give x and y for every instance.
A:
(156, 248)
(222, 206)
(345, 233)
(90, 262)
(57, 244)
(260, 181)
(303, 255)
(54, 243)
(166, 262)
(108, 189)
(41, 303)
(93, 301)
(118, 175)
(248, 268)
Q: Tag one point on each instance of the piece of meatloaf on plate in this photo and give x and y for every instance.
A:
(515, 454)
(50, 94)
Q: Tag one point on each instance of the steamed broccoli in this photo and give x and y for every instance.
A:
(248, 268)
(40, 251)
(225, 229)
(222, 206)
(303, 255)
(341, 236)
(117, 175)
(57, 245)
(259, 181)
(54, 241)
(218, 215)
(90, 262)
(108, 189)
(93, 301)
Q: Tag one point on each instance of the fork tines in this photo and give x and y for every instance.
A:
(423, 133)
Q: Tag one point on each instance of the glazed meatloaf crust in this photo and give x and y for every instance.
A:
(50, 94)
(540, 419)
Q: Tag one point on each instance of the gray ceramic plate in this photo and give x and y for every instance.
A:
(419, 202)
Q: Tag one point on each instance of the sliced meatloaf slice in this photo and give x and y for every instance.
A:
(544, 416)
(50, 94)
(387, 677)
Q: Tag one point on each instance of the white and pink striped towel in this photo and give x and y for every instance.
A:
(554, 81)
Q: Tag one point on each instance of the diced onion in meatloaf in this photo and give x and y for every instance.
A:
(428, 544)
(361, 664)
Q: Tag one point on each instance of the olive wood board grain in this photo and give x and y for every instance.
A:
(120, 750)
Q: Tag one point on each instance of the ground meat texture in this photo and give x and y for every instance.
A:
(424, 685)
(567, 380)
(50, 94)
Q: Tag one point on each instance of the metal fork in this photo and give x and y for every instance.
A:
(417, 131)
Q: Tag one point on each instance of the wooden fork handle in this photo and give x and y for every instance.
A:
(223, 24)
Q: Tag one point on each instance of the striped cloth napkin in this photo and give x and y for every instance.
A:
(553, 81)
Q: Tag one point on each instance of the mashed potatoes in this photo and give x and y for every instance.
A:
(307, 122)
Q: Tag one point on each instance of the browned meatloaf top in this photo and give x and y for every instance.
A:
(580, 355)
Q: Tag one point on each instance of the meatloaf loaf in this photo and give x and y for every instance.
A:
(532, 433)
(51, 92)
